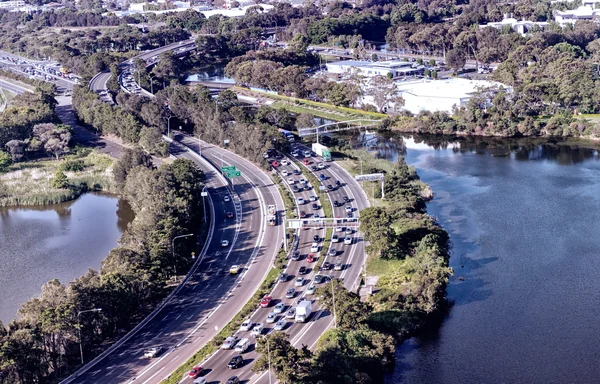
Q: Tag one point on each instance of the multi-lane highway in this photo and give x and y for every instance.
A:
(351, 257)
(211, 296)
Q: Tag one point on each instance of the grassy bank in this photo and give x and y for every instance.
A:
(30, 182)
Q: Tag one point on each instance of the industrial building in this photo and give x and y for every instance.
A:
(371, 69)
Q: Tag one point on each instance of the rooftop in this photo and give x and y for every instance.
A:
(371, 64)
(450, 88)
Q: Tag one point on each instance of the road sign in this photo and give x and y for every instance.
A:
(232, 173)
(227, 168)
(370, 177)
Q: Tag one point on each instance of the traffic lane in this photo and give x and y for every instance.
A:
(12, 87)
(99, 82)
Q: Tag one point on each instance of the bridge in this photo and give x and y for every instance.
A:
(338, 126)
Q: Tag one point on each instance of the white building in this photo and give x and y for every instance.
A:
(440, 95)
(371, 69)
(521, 27)
(11, 4)
(585, 12)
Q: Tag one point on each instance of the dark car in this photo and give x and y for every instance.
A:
(315, 207)
(330, 187)
(296, 256)
(235, 362)
(347, 199)
(338, 183)
(295, 189)
(233, 380)
(326, 266)
(319, 279)
(283, 277)
(336, 203)
(350, 215)
(314, 168)
(316, 238)
(322, 176)
(297, 172)
(302, 270)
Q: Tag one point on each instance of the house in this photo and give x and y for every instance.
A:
(11, 4)
(585, 12)
(372, 69)
(521, 27)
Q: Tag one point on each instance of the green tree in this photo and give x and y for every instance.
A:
(130, 159)
(290, 365)
(5, 161)
(60, 181)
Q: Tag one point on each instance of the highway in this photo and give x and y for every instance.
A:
(211, 297)
(352, 257)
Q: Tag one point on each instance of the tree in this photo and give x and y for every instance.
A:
(290, 365)
(383, 90)
(375, 223)
(151, 140)
(349, 310)
(54, 139)
(130, 159)
(60, 181)
(304, 120)
(16, 148)
(5, 160)
(456, 59)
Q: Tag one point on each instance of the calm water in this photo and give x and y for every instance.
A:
(525, 223)
(57, 241)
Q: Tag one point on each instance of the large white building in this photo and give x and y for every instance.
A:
(440, 95)
(521, 27)
(11, 4)
(585, 12)
(371, 69)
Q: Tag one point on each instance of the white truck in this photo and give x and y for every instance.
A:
(271, 215)
(303, 311)
(322, 151)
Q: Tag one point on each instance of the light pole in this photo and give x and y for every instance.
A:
(268, 356)
(173, 248)
(333, 296)
(79, 326)
(151, 83)
(169, 125)
(204, 194)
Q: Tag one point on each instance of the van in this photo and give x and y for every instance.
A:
(242, 345)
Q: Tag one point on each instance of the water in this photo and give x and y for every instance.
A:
(524, 219)
(55, 241)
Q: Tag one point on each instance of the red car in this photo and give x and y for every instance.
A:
(195, 372)
(264, 303)
(306, 161)
(229, 215)
(275, 164)
(302, 214)
(310, 258)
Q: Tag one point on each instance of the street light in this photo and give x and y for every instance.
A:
(333, 296)
(79, 326)
(173, 248)
(169, 125)
(204, 193)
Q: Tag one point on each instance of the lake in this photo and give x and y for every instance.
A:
(524, 220)
(55, 241)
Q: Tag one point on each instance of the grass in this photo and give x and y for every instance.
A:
(300, 109)
(380, 267)
(204, 352)
(29, 183)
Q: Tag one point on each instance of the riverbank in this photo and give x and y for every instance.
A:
(30, 183)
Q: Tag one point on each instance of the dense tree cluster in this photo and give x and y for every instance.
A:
(41, 344)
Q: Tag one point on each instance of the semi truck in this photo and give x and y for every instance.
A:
(271, 215)
(303, 311)
(322, 151)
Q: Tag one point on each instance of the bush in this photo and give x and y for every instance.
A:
(60, 180)
(72, 166)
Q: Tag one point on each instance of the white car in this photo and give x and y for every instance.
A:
(348, 208)
(280, 325)
(227, 199)
(299, 282)
(307, 153)
(311, 290)
(246, 326)
(314, 248)
(242, 345)
(339, 229)
(152, 352)
(313, 198)
(291, 313)
(291, 181)
(321, 166)
(338, 266)
(335, 238)
(285, 173)
(279, 308)
(348, 240)
(229, 342)
(257, 330)
(285, 162)
(224, 243)
(295, 153)
(300, 201)
(271, 318)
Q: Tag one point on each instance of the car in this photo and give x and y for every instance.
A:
(258, 329)
(283, 277)
(314, 247)
(307, 153)
(346, 199)
(235, 362)
(349, 231)
(326, 266)
(310, 258)
(234, 270)
(233, 380)
(266, 155)
(275, 163)
(338, 183)
(349, 208)
(311, 290)
(296, 256)
(295, 189)
(349, 215)
(224, 243)
(266, 301)
(153, 352)
(348, 240)
(316, 238)
(271, 318)
(339, 229)
(246, 325)
(290, 293)
(319, 279)
(306, 161)
(279, 308)
(314, 167)
(316, 215)
(321, 166)
(280, 326)
(315, 207)
(335, 238)
(299, 281)
(330, 187)
(229, 215)
(313, 198)
(195, 372)
(200, 380)
(285, 162)
(295, 153)
(338, 266)
(303, 270)
(303, 181)
(291, 313)
(242, 345)
(284, 173)
(292, 181)
(300, 201)
(302, 214)
(332, 252)
(322, 176)
(336, 203)
(297, 172)
(227, 199)
(229, 342)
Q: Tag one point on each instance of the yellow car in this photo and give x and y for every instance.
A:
(234, 269)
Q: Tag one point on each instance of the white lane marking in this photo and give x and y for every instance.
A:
(173, 359)
(190, 317)
(151, 377)
(178, 316)
(153, 364)
(165, 318)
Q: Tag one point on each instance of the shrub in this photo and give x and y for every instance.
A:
(60, 180)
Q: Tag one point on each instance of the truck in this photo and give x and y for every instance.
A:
(303, 311)
(271, 215)
(322, 151)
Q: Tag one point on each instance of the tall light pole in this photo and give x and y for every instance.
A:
(268, 356)
(204, 193)
(173, 248)
(79, 326)
(169, 125)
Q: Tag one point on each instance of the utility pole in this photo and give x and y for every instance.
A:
(204, 194)
(173, 248)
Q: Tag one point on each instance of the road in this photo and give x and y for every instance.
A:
(209, 298)
(352, 257)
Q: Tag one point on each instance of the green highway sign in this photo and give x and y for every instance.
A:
(228, 168)
(232, 174)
